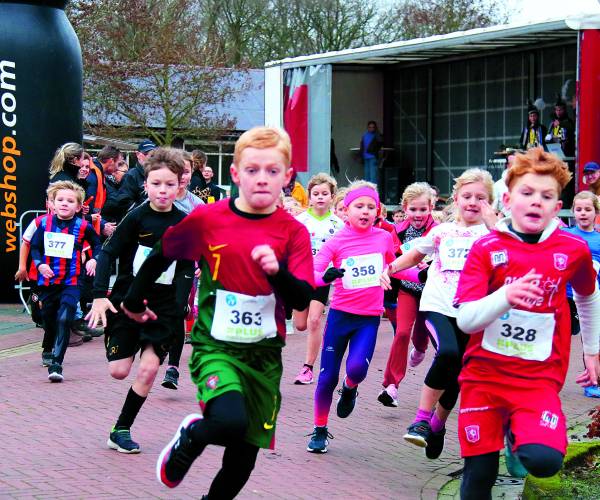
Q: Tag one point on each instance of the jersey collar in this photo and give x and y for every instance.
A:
(503, 226)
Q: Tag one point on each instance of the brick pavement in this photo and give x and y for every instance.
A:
(54, 435)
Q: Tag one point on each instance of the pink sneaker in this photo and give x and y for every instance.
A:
(416, 357)
(305, 376)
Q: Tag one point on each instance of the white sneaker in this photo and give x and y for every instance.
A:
(389, 396)
(289, 327)
(416, 357)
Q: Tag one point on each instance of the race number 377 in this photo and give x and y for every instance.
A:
(59, 245)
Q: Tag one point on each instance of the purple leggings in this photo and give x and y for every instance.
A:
(359, 334)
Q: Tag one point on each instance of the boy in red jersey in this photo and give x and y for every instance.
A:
(255, 259)
(512, 298)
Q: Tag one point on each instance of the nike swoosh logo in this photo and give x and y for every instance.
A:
(187, 276)
(212, 248)
(144, 235)
(268, 426)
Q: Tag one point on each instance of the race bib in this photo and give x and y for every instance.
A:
(362, 271)
(453, 252)
(521, 334)
(141, 255)
(243, 318)
(409, 245)
(59, 245)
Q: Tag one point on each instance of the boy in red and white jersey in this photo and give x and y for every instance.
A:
(512, 299)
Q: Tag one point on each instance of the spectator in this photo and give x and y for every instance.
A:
(213, 189)
(562, 128)
(296, 190)
(197, 184)
(533, 133)
(113, 181)
(591, 177)
(370, 145)
(500, 188)
(131, 192)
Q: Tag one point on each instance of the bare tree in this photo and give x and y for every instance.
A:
(421, 18)
(149, 66)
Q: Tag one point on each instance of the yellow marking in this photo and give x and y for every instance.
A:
(144, 235)
(213, 248)
(20, 351)
(270, 426)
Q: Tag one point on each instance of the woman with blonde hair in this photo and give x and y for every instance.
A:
(66, 162)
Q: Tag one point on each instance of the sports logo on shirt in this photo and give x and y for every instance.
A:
(212, 382)
(499, 258)
(549, 419)
(560, 261)
(472, 432)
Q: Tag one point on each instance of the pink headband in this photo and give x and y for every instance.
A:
(361, 191)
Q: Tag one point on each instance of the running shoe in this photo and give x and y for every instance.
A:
(120, 440)
(389, 396)
(305, 376)
(435, 444)
(347, 400)
(55, 373)
(593, 391)
(513, 465)
(177, 457)
(418, 433)
(319, 439)
(416, 357)
(47, 358)
(171, 378)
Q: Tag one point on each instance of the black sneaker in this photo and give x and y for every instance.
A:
(177, 457)
(319, 439)
(347, 400)
(120, 440)
(435, 444)
(55, 373)
(171, 378)
(81, 328)
(47, 358)
(418, 433)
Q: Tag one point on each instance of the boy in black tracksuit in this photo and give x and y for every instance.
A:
(131, 242)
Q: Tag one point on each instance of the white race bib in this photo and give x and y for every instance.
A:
(453, 252)
(243, 318)
(58, 245)
(521, 334)
(409, 245)
(141, 255)
(362, 271)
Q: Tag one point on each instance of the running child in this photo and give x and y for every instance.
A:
(131, 242)
(448, 244)
(586, 208)
(417, 204)
(56, 247)
(358, 253)
(339, 208)
(321, 224)
(512, 300)
(255, 257)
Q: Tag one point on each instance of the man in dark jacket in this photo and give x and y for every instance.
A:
(131, 192)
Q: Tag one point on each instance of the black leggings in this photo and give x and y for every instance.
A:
(450, 344)
(480, 471)
(225, 423)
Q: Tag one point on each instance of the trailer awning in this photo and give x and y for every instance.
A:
(452, 44)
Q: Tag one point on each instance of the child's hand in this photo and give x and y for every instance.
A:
(21, 275)
(140, 317)
(45, 271)
(524, 292)
(384, 280)
(90, 267)
(85, 209)
(332, 274)
(591, 374)
(265, 257)
(98, 312)
(488, 214)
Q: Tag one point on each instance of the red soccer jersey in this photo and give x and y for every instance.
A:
(524, 347)
(222, 238)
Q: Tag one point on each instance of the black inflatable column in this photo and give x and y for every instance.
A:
(40, 109)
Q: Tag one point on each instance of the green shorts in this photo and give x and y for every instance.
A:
(254, 370)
